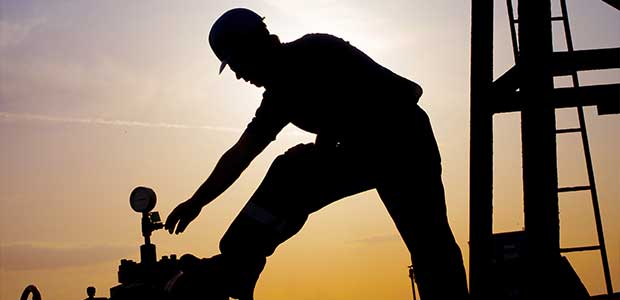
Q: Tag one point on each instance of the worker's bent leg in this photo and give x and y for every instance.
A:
(299, 182)
(417, 206)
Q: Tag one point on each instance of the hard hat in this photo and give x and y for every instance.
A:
(232, 32)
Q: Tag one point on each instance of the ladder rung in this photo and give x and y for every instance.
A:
(579, 249)
(573, 189)
(568, 130)
(559, 18)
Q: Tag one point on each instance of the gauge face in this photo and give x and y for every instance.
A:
(142, 199)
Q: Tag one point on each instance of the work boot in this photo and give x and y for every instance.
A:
(198, 279)
(215, 278)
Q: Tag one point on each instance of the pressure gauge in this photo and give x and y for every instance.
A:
(142, 199)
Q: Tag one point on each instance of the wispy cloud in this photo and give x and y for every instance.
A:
(12, 34)
(33, 257)
(387, 238)
(109, 122)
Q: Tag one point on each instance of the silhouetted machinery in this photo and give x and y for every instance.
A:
(167, 279)
(148, 278)
(152, 279)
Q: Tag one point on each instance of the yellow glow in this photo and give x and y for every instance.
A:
(97, 97)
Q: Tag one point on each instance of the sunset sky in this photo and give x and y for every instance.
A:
(97, 97)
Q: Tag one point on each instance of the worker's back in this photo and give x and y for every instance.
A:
(324, 85)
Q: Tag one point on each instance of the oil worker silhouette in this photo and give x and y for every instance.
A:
(370, 134)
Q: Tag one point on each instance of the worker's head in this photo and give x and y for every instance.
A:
(241, 40)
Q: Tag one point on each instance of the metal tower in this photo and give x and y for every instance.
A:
(523, 89)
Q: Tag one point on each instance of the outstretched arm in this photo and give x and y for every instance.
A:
(227, 170)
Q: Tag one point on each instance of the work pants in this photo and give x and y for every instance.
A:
(408, 180)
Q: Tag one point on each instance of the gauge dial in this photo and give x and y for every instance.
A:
(142, 199)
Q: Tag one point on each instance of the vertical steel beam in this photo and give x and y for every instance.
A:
(481, 150)
(540, 180)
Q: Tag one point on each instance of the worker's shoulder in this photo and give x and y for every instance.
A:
(312, 40)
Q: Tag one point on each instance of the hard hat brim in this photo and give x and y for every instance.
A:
(223, 66)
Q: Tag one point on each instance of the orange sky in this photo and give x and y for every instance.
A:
(97, 97)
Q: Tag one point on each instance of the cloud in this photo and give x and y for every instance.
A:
(11, 117)
(22, 257)
(98, 121)
(388, 238)
(12, 34)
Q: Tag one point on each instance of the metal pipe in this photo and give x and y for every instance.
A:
(481, 150)
(540, 183)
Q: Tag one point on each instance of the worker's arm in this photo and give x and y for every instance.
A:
(228, 169)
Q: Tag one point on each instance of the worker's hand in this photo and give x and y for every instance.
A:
(183, 214)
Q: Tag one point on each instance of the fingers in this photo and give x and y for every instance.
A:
(180, 217)
(182, 225)
(172, 220)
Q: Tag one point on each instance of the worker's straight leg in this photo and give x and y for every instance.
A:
(412, 191)
(418, 210)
